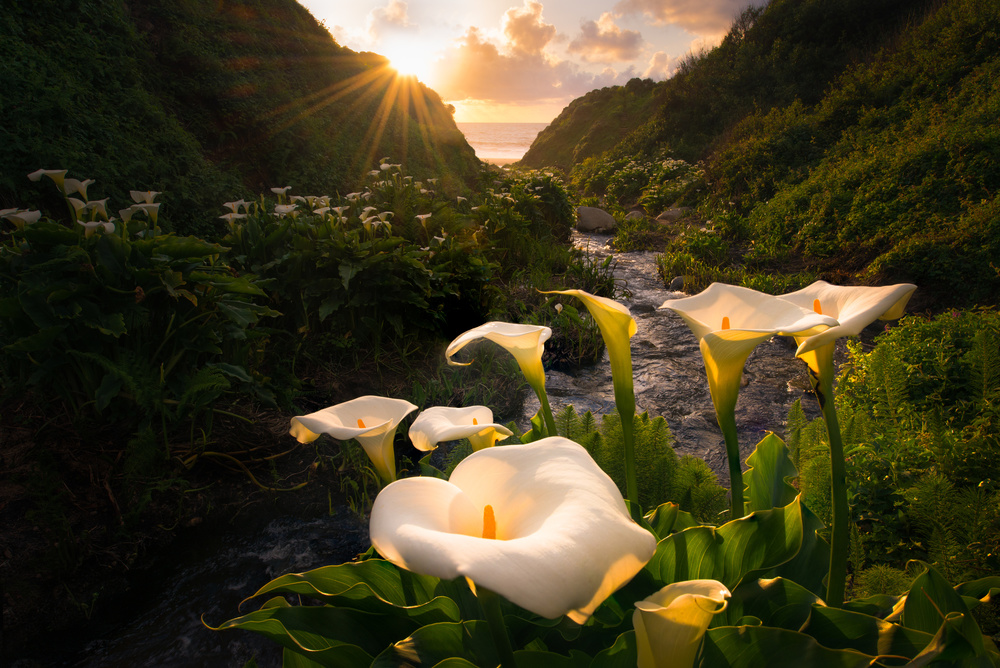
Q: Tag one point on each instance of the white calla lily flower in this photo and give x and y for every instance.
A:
(57, 175)
(143, 196)
(729, 321)
(446, 423)
(670, 624)
(854, 307)
(525, 342)
(20, 218)
(540, 524)
(371, 420)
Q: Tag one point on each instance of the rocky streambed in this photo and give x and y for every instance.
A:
(670, 375)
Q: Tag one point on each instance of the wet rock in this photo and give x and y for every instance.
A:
(592, 219)
(674, 213)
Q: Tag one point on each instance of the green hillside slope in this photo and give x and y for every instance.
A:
(206, 102)
(856, 140)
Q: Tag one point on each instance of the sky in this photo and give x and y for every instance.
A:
(523, 61)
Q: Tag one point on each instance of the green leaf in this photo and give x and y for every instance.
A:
(109, 388)
(668, 518)
(755, 646)
(768, 476)
(435, 643)
(930, 600)
(776, 602)
(327, 635)
(374, 585)
(842, 629)
(623, 654)
(748, 546)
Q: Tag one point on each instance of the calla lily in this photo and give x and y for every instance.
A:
(855, 308)
(670, 624)
(151, 210)
(729, 322)
(91, 227)
(235, 206)
(282, 210)
(445, 423)
(371, 420)
(143, 196)
(57, 175)
(71, 186)
(21, 218)
(617, 326)
(540, 524)
(526, 343)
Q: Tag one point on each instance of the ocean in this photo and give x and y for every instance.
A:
(500, 143)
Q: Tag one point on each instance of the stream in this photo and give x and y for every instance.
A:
(210, 570)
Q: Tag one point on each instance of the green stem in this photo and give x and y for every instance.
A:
(490, 603)
(838, 489)
(727, 423)
(628, 437)
(550, 421)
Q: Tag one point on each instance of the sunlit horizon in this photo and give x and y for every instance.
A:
(524, 61)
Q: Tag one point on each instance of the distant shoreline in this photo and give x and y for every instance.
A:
(500, 162)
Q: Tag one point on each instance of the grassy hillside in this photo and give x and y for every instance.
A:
(853, 140)
(206, 102)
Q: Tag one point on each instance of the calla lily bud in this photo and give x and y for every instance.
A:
(670, 624)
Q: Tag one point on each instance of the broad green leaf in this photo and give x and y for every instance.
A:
(292, 659)
(543, 659)
(929, 602)
(667, 518)
(328, 635)
(109, 388)
(623, 654)
(372, 585)
(768, 476)
(880, 605)
(811, 563)
(748, 546)
(958, 642)
(431, 644)
(756, 646)
(843, 629)
(776, 602)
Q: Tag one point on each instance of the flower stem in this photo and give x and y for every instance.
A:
(550, 421)
(821, 378)
(490, 602)
(838, 489)
(628, 437)
(727, 423)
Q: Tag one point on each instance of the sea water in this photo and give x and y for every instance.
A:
(501, 143)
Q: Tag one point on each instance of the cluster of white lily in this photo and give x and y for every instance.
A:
(351, 206)
(92, 215)
(540, 523)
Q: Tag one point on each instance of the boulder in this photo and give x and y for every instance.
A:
(677, 285)
(592, 219)
(635, 215)
(672, 214)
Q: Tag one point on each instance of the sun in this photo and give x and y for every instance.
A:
(410, 61)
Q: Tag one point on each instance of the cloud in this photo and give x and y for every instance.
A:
(525, 30)
(602, 41)
(392, 18)
(661, 66)
(701, 17)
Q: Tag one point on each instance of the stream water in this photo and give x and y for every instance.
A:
(211, 570)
